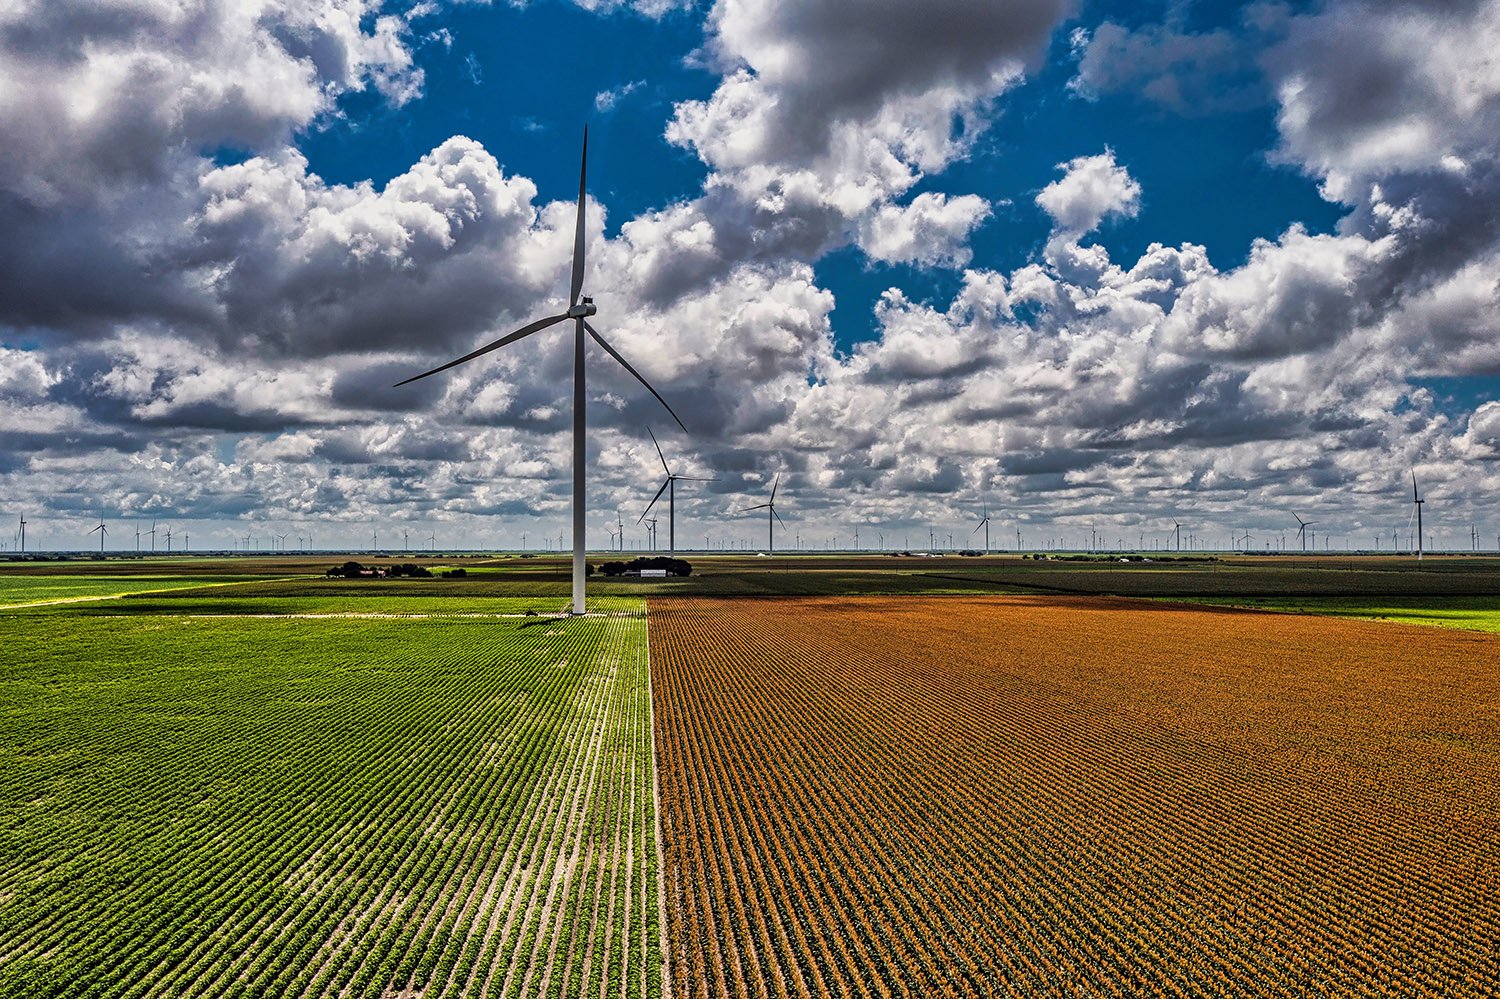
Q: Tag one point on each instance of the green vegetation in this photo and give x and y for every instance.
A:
(18, 589)
(323, 806)
(1469, 613)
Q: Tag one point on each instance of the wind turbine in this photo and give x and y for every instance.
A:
(432, 541)
(579, 309)
(984, 523)
(670, 488)
(1417, 501)
(1302, 526)
(101, 530)
(152, 532)
(1178, 528)
(169, 541)
(771, 516)
(23, 534)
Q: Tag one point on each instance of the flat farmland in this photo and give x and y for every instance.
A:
(313, 806)
(1073, 796)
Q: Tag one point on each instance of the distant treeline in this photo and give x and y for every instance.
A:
(1040, 557)
(673, 566)
(356, 570)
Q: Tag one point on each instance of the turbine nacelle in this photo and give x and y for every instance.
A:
(583, 309)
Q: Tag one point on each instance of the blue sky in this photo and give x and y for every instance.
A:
(1086, 263)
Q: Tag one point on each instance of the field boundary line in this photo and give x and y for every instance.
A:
(661, 865)
(144, 593)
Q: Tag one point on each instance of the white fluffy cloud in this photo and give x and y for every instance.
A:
(1092, 189)
(107, 94)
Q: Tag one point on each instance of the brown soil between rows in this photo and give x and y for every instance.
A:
(1073, 796)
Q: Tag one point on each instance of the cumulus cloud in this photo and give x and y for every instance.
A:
(932, 230)
(109, 94)
(1092, 189)
(824, 120)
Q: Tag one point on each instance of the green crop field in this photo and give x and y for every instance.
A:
(326, 806)
(25, 589)
(1469, 613)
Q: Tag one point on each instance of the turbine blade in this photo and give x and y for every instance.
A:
(763, 506)
(774, 486)
(778, 517)
(976, 530)
(694, 478)
(1414, 498)
(626, 365)
(659, 454)
(663, 489)
(583, 169)
(520, 334)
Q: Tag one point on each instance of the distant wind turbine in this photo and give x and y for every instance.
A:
(152, 532)
(1417, 502)
(579, 309)
(771, 516)
(984, 522)
(670, 488)
(1302, 526)
(101, 530)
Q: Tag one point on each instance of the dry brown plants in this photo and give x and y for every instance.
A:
(1073, 796)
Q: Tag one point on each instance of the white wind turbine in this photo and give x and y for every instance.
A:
(670, 488)
(579, 309)
(1417, 502)
(984, 523)
(101, 530)
(771, 516)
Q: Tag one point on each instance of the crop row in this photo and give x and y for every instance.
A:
(1016, 796)
(289, 807)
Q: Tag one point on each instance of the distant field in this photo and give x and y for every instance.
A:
(19, 589)
(325, 807)
(1469, 613)
(1060, 795)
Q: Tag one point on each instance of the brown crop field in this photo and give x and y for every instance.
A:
(1073, 796)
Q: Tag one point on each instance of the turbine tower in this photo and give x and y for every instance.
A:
(771, 516)
(1417, 501)
(579, 309)
(23, 534)
(984, 522)
(670, 488)
(101, 530)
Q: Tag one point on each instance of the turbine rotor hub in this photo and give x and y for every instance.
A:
(583, 309)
